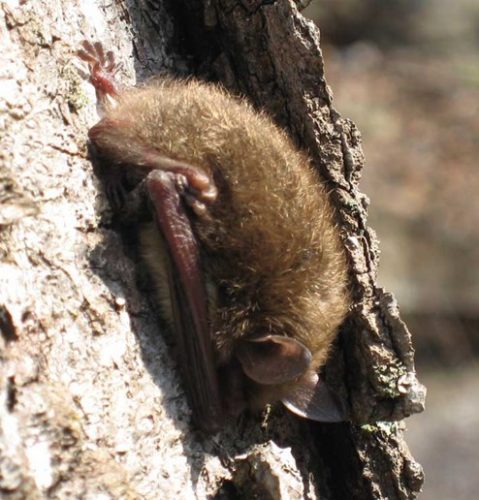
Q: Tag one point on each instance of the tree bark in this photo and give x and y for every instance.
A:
(91, 402)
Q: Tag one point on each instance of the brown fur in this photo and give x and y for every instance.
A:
(269, 243)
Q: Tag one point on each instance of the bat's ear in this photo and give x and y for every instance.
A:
(310, 398)
(273, 359)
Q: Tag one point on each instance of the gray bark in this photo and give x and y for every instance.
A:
(91, 402)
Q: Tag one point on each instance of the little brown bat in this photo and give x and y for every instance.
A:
(239, 236)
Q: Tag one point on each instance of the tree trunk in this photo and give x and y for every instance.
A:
(91, 402)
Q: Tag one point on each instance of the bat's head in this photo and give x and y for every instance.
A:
(279, 368)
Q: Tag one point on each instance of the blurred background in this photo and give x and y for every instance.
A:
(407, 73)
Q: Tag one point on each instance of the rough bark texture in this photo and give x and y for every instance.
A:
(91, 402)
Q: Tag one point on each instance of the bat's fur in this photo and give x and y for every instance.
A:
(269, 242)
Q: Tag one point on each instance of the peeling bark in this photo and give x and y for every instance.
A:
(90, 397)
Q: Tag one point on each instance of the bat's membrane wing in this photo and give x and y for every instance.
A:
(189, 298)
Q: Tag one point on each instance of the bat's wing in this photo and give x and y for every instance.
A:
(189, 298)
(174, 192)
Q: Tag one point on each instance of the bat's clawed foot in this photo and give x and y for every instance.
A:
(103, 68)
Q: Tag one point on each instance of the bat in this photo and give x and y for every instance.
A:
(239, 237)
